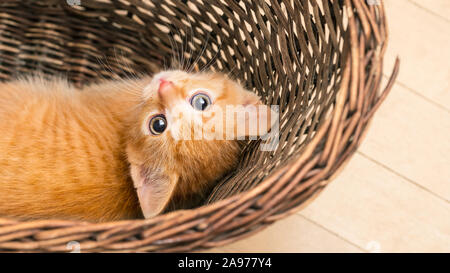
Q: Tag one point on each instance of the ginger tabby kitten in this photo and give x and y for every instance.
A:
(113, 150)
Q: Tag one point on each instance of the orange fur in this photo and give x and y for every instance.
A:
(66, 153)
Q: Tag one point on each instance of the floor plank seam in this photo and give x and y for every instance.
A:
(418, 94)
(429, 11)
(330, 231)
(402, 176)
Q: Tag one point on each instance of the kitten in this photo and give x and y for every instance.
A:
(117, 150)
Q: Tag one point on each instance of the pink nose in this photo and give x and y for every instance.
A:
(164, 85)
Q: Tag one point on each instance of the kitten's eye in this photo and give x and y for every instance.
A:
(158, 124)
(200, 101)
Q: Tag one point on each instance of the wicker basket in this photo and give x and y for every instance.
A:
(320, 62)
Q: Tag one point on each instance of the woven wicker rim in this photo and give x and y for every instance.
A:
(285, 191)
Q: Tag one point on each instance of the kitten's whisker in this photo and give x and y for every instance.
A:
(187, 49)
(230, 72)
(191, 47)
(211, 62)
(178, 51)
(108, 68)
(128, 81)
(183, 44)
(173, 57)
(182, 49)
(114, 75)
(165, 64)
(130, 84)
(129, 72)
(201, 52)
(172, 46)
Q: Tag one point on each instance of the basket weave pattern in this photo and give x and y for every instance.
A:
(320, 61)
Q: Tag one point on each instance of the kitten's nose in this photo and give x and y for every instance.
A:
(164, 86)
(166, 91)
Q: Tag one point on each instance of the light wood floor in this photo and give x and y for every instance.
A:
(394, 194)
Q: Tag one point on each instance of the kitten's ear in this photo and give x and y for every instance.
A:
(253, 118)
(154, 189)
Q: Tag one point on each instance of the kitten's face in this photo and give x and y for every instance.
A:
(182, 106)
(177, 145)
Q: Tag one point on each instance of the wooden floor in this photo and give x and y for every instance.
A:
(394, 194)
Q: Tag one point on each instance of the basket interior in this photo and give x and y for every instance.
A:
(291, 59)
